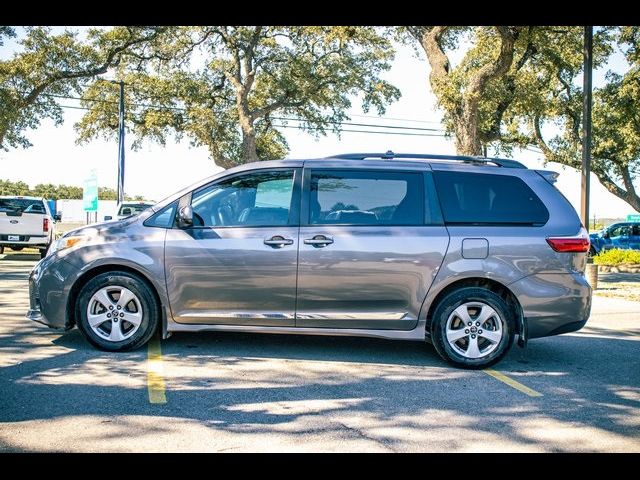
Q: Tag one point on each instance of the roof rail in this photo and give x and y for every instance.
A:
(389, 155)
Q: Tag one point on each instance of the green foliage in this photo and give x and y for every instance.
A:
(50, 65)
(7, 187)
(57, 192)
(227, 88)
(542, 89)
(617, 256)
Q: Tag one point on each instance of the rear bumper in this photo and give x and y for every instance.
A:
(30, 241)
(553, 303)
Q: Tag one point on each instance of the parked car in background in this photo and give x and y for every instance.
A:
(465, 253)
(128, 209)
(625, 235)
(26, 222)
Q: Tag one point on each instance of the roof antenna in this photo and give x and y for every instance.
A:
(389, 155)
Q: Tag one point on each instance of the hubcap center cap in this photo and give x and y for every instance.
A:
(473, 329)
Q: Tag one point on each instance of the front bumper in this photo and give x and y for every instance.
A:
(50, 283)
(553, 303)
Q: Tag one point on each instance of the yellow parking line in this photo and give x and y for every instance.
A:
(512, 383)
(155, 377)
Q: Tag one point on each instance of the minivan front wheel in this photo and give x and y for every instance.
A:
(117, 311)
(472, 327)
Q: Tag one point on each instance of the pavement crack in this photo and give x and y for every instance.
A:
(361, 434)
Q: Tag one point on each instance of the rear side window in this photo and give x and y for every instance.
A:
(347, 197)
(23, 205)
(485, 199)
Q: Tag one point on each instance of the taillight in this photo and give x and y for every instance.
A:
(45, 225)
(577, 244)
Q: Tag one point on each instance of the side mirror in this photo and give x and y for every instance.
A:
(185, 217)
(125, 211)
(605, 234)
(108, 217)
(57, 217)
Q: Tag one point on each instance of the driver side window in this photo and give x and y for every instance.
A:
(619, 231)
(255, 199)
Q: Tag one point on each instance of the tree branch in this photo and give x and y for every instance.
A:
(498, 68)
(109, 61)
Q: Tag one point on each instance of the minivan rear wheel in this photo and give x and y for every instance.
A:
(117, 311)
(472, 328)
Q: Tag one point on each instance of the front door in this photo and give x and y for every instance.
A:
(370, 246)
(237, 264)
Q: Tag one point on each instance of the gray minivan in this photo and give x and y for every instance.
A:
(464, 252)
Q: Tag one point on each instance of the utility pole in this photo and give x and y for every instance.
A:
(586, 125)
(121, 144)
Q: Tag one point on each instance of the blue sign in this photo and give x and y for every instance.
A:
(90, 193)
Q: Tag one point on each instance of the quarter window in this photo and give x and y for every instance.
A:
(164, 218)
(340, 197)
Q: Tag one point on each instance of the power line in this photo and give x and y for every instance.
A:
(365, 131)
(300, 127)
(398, 119)
(335, 122)
(362, 124)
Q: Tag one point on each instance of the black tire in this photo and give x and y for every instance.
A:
(150, 310)
(17, 249)
(444, 310)
(43, 253)
(1, 249)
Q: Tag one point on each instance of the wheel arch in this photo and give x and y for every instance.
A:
(87, 276)
(498, 288)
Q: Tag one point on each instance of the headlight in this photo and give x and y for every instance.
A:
(68, 242)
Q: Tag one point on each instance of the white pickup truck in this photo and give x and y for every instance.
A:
(26, 222)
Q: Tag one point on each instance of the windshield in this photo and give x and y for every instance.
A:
(132, 209)
(23, 205)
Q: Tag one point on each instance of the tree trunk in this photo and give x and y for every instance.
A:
(465, 113)
(467, 135)
(249, 149)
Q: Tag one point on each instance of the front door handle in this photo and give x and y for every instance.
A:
(319, 241)
(278, 241)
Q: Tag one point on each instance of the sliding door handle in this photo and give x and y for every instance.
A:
(278, 241)
(319, 241)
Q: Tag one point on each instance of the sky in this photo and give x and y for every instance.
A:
(155, 171)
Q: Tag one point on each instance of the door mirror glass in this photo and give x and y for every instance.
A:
(185, 217)
(125, 211)
(107, 217)
(57, 217)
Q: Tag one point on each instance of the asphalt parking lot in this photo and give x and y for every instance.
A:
(223, 392)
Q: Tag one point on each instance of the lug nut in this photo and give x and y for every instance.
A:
(119, 307)
(470, 323)
(477, 324)
(480, 331)
(108, 315)
(110, 307)
(122, 314)
(115, 319)
(466, 331)
(473, 336)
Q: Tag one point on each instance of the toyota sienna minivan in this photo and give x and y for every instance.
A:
(465, 253)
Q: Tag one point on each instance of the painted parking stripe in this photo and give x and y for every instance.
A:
(512, 383)
(155, 372)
